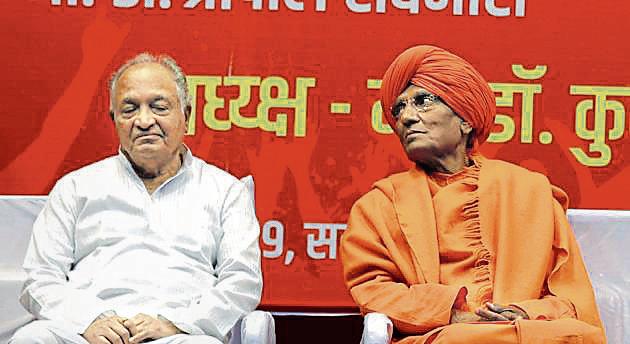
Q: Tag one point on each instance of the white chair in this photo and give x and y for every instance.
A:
(604, 236)
(377, 329)
(17, 214)
(257, 327)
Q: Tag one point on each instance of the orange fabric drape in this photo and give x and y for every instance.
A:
(391, 261)
(464, 258)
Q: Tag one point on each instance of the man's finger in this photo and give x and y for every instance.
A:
(131, 326)
(490, 315)
(138, 338)
(135, 318)
(120, 319)
(112, 336)
(512, 315)
(507, 311)
(139, 318)
(121, 331)
(102, 340)
(496, 307)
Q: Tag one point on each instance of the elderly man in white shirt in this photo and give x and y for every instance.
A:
(153, 244)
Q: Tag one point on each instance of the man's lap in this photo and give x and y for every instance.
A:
(186, 339)
(521, 331)
(54, 332)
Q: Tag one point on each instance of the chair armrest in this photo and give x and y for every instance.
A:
(377, 329)
(258, 327)
(12, 314)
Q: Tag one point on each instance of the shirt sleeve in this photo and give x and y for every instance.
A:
(239, 279)
(376, 282)
(548, 308)
(552, 307)
(47, 294)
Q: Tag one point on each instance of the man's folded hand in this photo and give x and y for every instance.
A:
(107, 330)
(143, 327)
(497, 312)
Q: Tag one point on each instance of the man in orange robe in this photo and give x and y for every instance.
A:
(478, 251)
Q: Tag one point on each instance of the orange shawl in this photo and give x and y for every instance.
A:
(390, 249)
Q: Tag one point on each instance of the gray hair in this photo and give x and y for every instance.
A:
(164, 60)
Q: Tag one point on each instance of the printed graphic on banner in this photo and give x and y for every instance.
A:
(379, 6)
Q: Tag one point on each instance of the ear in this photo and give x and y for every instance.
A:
(465, 127)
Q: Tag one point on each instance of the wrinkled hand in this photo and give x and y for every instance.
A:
(106, 330)
(458, 316)
(144, 327)
(496, 312)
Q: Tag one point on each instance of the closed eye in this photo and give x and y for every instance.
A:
(160, 107)
(128, 109)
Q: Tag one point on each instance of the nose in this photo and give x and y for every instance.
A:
(145, 118)
(409, 115)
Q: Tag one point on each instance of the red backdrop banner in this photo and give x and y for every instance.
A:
(287, 91)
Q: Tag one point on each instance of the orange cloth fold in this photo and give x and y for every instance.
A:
(548, 308)
(391, 256)
(464, 257)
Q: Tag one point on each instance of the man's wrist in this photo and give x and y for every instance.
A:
(179, 328)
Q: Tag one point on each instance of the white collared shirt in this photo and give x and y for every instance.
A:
(189, 252)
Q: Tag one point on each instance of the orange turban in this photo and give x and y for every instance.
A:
(446, 75)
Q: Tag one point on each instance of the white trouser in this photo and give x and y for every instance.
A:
(52, 332)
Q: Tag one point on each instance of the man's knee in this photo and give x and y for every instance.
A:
(200, 340)
(465, 333)
(188, 339)
(36, 332)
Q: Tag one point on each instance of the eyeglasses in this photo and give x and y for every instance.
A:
(420, 102)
